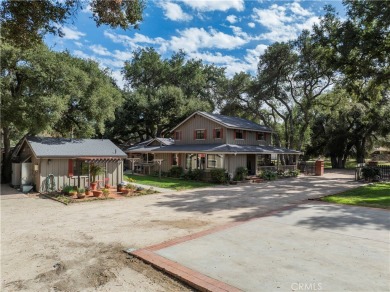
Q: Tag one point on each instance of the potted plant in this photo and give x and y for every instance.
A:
(119, 187)
(73, 192)
(66, 189)
(107, 183)
(87, 191)
(97, 193)
(106, 192)
(130, 188)
(81, 193)
(95, 170)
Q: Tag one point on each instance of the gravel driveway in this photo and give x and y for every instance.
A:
(45, 244)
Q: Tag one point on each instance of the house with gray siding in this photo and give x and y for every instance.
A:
(66, 162)
(206, 141)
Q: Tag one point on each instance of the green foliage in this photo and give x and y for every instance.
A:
(169, 183)
(176, 171)
(25, 23)
(218, 175)
(95, 170)
(53, 93)
(370, 172)
(241, 173)
(164, 92)
(269, 175)
(66, 189)
(106, 192)
(375, 195)
(81, 190)
(195, 174)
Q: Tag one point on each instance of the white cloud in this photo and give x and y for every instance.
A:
(174, 12)
(297, 9)
(133, 42)
(213, 5)
(192, 39)
(216, 58)
(117, 75)
(232, 19)
(284, 22)
(72, 33)
(100, 50)
(251, 24)
(81, 54)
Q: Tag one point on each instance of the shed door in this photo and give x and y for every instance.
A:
(27, 177)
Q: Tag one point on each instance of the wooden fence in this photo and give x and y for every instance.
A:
(384, 171)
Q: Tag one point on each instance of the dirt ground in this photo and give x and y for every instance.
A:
(47, 246)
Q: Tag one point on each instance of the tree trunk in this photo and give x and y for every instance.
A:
(6, 168)
(360, 150)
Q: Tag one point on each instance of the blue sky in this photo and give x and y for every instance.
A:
(230, 34)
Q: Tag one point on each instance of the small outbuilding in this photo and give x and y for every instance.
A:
(49, 163)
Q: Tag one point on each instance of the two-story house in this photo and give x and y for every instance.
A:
(207, 141)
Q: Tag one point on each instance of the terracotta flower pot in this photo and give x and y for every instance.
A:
(81, 195)
(72, 193)
(97, 193)
(93, 185)
(87, 192)
(124, 191)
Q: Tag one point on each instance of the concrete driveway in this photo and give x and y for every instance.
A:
(315, 246)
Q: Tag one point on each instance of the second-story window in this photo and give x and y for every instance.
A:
(200, 134)
(260, 136)
(178, 135)
(239, 134)
(218, 133)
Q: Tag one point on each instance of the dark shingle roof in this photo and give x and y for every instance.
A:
(211, 148)
(229, 122)
(63, 147)
(234, 122)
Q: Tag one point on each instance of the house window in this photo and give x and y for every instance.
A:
(80, 168)
(214, 160)
(260, 136)
(178, 135)
(218, 133)
(195, 161)
(200, 134)
(239, 134)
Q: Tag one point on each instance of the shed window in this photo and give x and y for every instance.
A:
(80, 168)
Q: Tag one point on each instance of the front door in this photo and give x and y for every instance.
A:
(26, 173)
(251, 164)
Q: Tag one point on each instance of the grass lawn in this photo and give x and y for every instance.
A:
(168, 183)
(376, 195)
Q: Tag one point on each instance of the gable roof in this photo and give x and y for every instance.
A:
(162, 141)
(73, 148)
(229, 122)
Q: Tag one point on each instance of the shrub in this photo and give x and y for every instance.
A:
(194, 174)
(218, 175)
(106, 192)
(129, 179)
(269, 175)
(370, 172)
(293, 173)
(281, 172)
(241, 173)
(176, 171)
